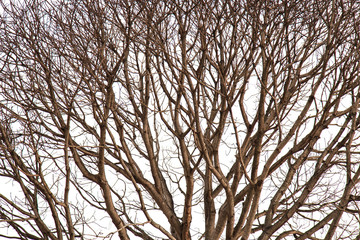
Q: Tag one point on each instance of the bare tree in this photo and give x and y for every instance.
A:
(180, 119)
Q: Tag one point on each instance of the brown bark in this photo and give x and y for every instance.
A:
(179, 119)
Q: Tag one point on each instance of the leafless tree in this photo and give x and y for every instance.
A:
(179, 119)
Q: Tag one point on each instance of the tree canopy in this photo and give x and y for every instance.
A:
(179, 119)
